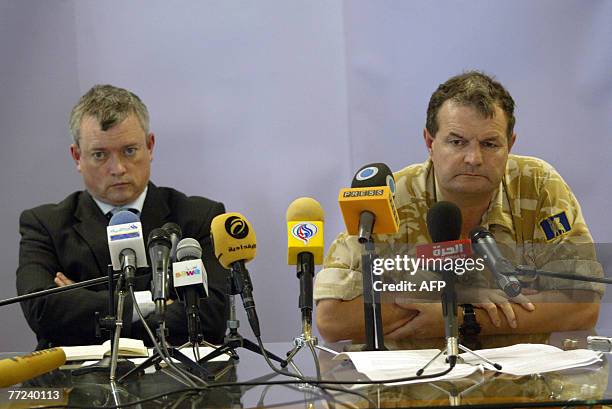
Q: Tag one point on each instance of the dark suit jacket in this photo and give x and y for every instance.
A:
(71, 237)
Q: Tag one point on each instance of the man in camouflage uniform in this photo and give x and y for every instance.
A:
(523, 201)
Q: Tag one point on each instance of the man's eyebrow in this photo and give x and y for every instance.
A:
(489, 138)
(456, 135)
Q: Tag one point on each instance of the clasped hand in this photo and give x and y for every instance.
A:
(428, 322)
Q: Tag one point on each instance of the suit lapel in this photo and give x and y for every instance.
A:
(154, 211)
(92, 223)
(92, 228)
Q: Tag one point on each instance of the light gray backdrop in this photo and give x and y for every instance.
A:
(257, 103)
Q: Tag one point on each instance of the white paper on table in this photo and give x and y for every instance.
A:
(527, 359)
(383, 365)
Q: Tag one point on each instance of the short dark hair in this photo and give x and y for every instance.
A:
(474, 89)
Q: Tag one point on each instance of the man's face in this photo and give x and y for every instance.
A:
(116, 163)
(469, 151)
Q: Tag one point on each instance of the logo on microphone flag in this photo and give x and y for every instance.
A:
(304, 236)
(304, 231)
(195, 271)
(236, 227)
(367, 173)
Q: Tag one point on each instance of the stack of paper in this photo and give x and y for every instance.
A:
(520, 359)
(527, 359)
(127, 347)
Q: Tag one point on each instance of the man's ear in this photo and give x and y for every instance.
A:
(511, 141)
(428, 139)
(150, 144)
(75, 152)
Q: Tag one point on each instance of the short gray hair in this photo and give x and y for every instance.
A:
(110, 105)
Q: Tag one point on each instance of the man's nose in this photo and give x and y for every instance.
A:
(473, 156)
(117, 168)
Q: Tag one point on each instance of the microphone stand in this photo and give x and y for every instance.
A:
(69, 287)
(305, 272)
(233, 339)
(451, 330)
(533, 273)
(111, 322)
(374, 337)
(172, 353)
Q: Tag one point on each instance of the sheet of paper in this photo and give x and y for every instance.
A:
(527, 359)
(383, 365)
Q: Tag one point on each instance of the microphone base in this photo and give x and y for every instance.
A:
(234, 340)
(453, 358)
(104, 365)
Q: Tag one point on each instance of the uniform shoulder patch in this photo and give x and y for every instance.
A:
(555, 226)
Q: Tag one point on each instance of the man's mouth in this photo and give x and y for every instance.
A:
(473, 175)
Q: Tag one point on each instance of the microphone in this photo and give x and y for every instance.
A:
(235, 244)
(22, 368)
(444, 225)
(502, 269)
(367, 206)
(125, 244)
(159, 245)
(445, 237)
(305, 246)
(175, 233)
(190, 282)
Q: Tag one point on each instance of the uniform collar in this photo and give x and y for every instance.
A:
(499, 211)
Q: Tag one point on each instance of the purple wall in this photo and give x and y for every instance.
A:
(257, 103)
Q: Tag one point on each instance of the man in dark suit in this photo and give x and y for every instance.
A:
(66, 242)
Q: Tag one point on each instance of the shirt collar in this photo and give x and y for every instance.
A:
(136, 204)
(498, 212)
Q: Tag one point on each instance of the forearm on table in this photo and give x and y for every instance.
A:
(340, 320)
(554, 311)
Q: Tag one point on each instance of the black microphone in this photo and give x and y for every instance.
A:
(190, 282)
(484, 244)
(175, 233)
(444, 224)
(159, 245)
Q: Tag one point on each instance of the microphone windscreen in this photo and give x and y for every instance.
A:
(305, 208)
(374, 174)
(22, 368)
(305, 219)
(173, 228)
(233, 238)
(123, 217)
(188, 248)
(479, 232)
(159, 237)
(444, 222)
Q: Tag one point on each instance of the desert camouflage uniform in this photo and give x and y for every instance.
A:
(534, 216)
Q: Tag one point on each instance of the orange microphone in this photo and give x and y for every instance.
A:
(368, 206)
(21, 368)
